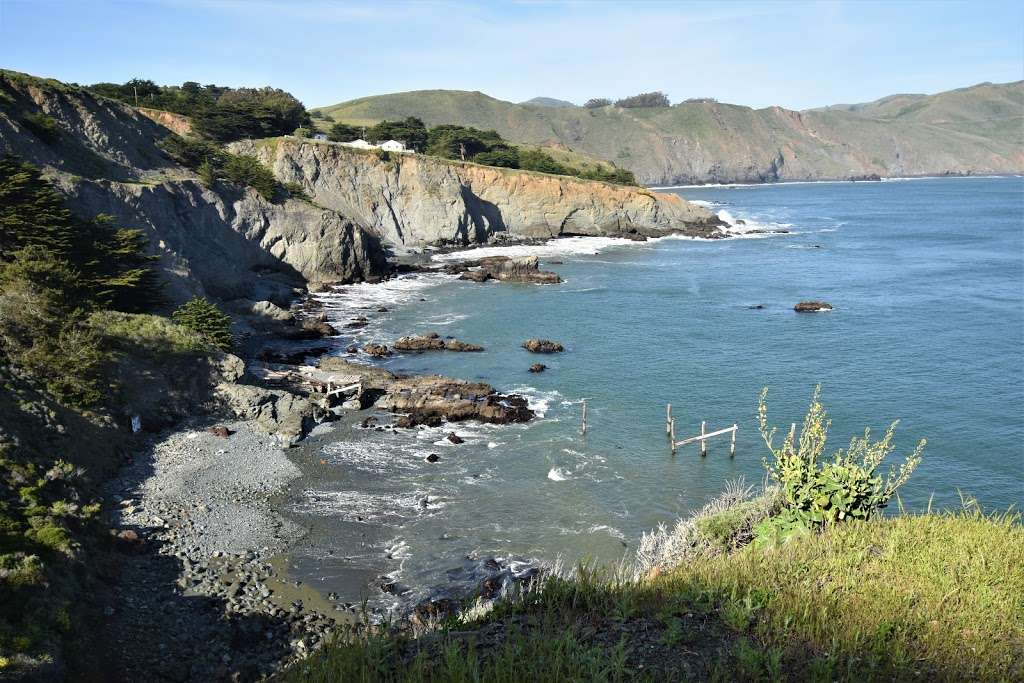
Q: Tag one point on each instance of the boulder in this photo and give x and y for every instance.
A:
(220, 431)
(433, 457)
(465, 347)
(377, 350)
(414, 343)
(287, 416)
(318, 327)
(538, 367)
(455, 438)
(812, 306)
(542, 346)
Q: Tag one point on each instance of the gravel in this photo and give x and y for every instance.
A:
(197, 596)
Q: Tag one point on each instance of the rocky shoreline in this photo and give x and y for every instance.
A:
(198, 529)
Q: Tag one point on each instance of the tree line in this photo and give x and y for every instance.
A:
(218, 112)
(466, 143)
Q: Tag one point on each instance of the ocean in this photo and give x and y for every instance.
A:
(927, 282)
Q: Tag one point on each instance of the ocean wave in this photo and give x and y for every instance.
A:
(343, 302)
(558, 474)
(536, 400)
(562, 246)
(363, 506)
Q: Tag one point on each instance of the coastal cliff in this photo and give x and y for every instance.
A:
(223, 240)
(413, 200)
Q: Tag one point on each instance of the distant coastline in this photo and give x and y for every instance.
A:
(835, 181)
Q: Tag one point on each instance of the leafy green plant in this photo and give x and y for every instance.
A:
(818, 492)
(204, 318)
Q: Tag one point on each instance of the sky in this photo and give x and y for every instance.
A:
(794, 54)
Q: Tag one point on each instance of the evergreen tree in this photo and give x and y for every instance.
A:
(204, 318)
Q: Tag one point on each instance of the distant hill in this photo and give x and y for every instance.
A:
(977, 130)
(547, 102)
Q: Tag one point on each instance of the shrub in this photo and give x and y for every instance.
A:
(818, 493)
(647, 99)
(302, 132)
(247, 170)
(204, 318)
(296, 190)
(597, 103)
(42, 126)
(151, 335)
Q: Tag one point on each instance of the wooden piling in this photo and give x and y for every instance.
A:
(732, 446)
(703, 441)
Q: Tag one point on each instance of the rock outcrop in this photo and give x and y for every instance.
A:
(812, 306)
(433, 342)
(225, 241)
(524, 269)
(413, 200)
(542, 346)
(432, 399)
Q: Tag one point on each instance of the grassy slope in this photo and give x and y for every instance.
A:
(959, 129)
(931, 597)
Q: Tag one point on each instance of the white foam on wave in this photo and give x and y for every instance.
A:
(562, 246)
(536, 400)
(558, 474)
(345, 302)
(610, 530)
(705, 203)
(380, 455)
(361, 506)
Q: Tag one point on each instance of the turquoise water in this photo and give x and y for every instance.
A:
(927, 280)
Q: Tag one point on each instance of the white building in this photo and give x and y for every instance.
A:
(388, 146)
(392, 146)
(359, 144)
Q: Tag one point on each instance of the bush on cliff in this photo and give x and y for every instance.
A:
(205, 319)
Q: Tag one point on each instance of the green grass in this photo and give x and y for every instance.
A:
(915, 597)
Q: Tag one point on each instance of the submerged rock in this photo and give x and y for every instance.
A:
(538, 367)
(542, 346)
(812, 306)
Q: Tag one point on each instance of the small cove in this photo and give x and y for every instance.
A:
(926, 277)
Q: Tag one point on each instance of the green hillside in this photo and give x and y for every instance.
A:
(977, 130)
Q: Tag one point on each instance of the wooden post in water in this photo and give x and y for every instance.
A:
(703, 441)
(584, 428)
(668, 418)
(732, 446)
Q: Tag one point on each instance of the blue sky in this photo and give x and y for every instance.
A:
(794, 54)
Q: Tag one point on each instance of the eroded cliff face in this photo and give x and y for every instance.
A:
(412, 200)
(226, 241)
